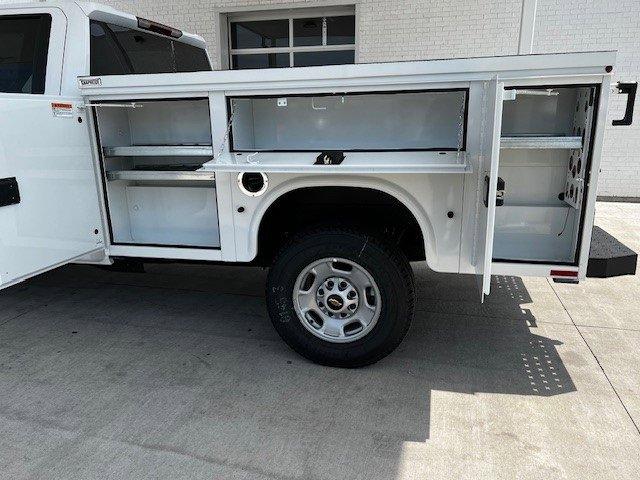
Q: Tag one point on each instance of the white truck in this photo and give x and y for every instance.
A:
(118, 142)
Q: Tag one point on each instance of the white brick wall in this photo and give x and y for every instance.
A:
(420, 29)
(581, 25)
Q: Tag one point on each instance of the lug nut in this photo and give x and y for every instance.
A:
(343, 285)
(351, 295)
(329, 285)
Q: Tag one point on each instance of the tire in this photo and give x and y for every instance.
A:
(379, 274)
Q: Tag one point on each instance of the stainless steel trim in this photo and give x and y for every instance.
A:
(531, 142)
(157, 176)
(160, 151)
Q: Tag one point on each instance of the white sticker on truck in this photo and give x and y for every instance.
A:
(90, 81)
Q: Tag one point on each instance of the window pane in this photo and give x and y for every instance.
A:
(307, 31)
(190, 58)
(260, 34)
(147, 53)
(341, 30)
(24, 44)
(106, 57)
(311, 59)
(119, 50)
(260, 60)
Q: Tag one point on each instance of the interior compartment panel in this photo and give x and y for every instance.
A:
(152, 154)
(534, 233)
(171, 216)
(158, 122)
(543, 161)
(424, 120)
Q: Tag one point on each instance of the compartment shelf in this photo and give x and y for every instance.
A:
(159, 176)
(354, 162)
(160, 151)
(540, 142)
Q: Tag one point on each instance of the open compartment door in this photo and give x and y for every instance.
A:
(488, 183)
(49, 208)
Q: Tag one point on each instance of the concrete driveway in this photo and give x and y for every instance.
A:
(177, 373)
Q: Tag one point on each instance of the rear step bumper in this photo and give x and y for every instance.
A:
(608, 257)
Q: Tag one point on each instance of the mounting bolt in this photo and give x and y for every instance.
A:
(450, 214)
(240, 209)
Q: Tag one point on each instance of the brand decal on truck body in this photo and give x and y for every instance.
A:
(90, 81)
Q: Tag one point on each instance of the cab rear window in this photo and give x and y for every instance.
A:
(117, 50)
(24, 45)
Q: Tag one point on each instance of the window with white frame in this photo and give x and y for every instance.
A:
(292, 38)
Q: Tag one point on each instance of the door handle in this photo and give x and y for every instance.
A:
(630, 90)
(499, 192)
(9, 192)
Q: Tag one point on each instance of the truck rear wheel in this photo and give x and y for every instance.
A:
(341, 298)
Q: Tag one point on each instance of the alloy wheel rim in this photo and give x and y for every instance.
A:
(337, 300)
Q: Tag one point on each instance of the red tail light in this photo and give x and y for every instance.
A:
(564, 273)
(156, 27)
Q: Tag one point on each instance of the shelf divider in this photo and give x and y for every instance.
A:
(159, 176)
(160, 151)
(541, 142)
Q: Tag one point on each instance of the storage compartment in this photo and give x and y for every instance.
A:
(152, 154)
(544, 159)
(421, 120)
(164, 214)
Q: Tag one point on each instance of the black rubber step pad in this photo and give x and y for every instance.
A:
(609, 257)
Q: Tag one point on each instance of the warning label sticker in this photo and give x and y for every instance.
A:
(62, 109)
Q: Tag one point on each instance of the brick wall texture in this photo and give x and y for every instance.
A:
(391, 30)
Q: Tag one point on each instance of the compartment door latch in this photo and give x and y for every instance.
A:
(331, 157)
(9, 192)
(499, 192)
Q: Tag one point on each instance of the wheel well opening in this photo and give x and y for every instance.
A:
(367, 209)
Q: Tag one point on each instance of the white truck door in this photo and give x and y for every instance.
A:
(487, 183)
(49, 208)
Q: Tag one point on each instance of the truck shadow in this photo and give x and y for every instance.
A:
(183, 361)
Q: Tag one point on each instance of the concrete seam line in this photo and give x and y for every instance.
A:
(596, 358)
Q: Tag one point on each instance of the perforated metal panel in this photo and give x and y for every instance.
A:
(582, 124)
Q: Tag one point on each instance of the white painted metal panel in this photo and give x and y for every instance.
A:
(345, 77)
(489, 157)
(424, 120)
(58, 217)
(184, 216)
(596, 147)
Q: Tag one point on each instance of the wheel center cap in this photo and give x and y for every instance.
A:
(335, 302)
(337, 297)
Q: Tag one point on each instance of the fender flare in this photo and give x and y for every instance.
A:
(347, 181)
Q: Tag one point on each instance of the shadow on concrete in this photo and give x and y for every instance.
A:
(179, 368)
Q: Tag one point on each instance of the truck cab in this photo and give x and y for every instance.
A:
(118, 142)
(47, 154)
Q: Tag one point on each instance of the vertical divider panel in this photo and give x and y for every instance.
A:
(600, 110)
(487, 183)
(220, 143)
